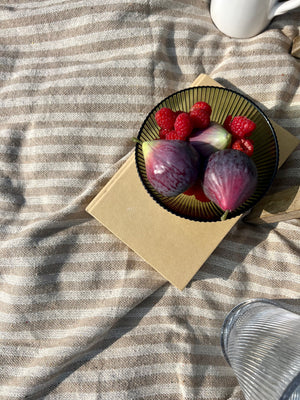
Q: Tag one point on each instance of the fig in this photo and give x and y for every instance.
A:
(172, 166)
(211, 139)
(230, 179)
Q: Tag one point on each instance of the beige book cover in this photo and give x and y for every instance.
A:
(173, 246)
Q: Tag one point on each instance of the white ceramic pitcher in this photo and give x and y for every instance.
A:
(247, 18)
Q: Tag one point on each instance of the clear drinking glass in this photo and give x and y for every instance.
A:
(260, 340)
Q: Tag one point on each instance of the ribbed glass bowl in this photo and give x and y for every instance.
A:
(223, 102)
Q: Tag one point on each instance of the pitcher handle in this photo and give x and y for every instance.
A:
(281, 8)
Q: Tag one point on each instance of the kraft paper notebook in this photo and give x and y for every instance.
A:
(173, 246)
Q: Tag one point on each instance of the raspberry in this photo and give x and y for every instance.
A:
(173, 135)
(200, 118)
(248, 146)
(202, 105)
(183, 125)
(237, 145)
(244, 145)
(163, 132)
(226, 123)
(242, 126)
(165, 118)
(197, 191)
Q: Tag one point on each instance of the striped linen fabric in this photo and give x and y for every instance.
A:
(82, 316)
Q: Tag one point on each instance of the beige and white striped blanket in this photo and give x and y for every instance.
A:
(81, 315)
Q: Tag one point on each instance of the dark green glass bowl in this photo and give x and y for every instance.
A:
(223, 102)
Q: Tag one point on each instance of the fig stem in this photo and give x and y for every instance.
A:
(136, 140)
(224, 216)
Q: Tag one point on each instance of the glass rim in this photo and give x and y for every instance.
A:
(234, 313)
(290, 389)
(237, 308)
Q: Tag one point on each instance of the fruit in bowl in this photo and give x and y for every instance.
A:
(173, 165)
(236, 147)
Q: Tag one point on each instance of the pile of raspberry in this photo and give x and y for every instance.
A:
(179, 125)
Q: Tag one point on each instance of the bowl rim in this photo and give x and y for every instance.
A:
(234, 213)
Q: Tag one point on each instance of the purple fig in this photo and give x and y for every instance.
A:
(172, 166)
(230, 179)
(211, 139)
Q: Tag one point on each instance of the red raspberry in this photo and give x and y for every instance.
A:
(165, 118)
(183, 125)
(237, 145)
(244, 145)
(242, 126)
(163, 132)
(202, 105)
(226, 123)
(200, 118)
(197, 191)
(173, 135)
(248, 146)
